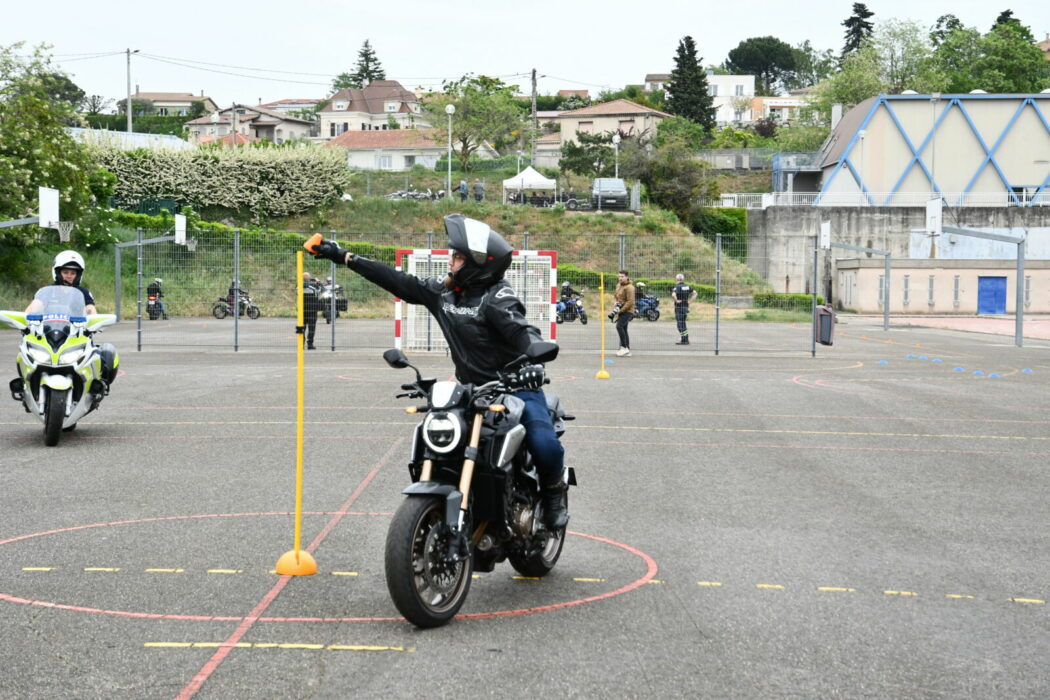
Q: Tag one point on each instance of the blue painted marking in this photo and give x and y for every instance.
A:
(1026, 371)
(883, 362)
(978, 372)
(993, 375)
(959, 369)
(910, 356)
(923, 357)
(936, 359)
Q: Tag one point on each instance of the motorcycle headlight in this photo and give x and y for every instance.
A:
(71, 357)
(442, 432)
(39, 354)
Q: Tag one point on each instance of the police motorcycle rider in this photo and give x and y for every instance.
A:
(154, 290)
(68, 270)
(568, 296)
(483, 321)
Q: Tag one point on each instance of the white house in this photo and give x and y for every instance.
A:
(174, 103)
(370, 109)
(252, 123)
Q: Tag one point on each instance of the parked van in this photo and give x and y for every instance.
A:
(609, 193)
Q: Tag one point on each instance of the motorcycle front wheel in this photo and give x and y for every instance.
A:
(253, 312)
(583, 319)
(559, 318)
(54, 414)
(427, 589)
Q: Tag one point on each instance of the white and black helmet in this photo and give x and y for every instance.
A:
(71, 260)
(488, 254)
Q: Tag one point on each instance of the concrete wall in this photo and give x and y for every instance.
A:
(780, 239)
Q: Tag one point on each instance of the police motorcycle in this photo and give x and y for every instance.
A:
(646, 305)
(62, 374)
(570, 308)
(475, 498)
(324, 300)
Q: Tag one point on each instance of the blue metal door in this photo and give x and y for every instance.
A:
(991, 295)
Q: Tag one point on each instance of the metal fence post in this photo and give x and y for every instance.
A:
(334, 310)
(718, 287)
(623, 248)
(235, 302)
(1019, 315)
(117, 277)
(138, 291)
(886, 295)
(525, 245)
(813, 335)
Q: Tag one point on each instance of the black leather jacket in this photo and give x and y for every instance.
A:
(485, 327)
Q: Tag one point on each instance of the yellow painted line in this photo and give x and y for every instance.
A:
(768, 585)
(101, 568)
(656, 580)
(526, 578)
(901, 593)
(589, 580)
(959, 596)
(300, 646)
(165, 571)
(360, 647)
(836, 589)
(266, 645)
(344, 573)
(274, 645)
(38, 568)
(216, 645)
(169, 645)
(225, 571)
(709, 584)
(1029, 601)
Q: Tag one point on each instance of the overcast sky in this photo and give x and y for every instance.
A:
(267, 50)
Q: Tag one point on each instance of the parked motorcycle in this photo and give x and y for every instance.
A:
(324, 300)
(62, 374)
(413, 193)
(153, 307)
(646, 305)
(475, 497)
(569, 309)
(221, 308)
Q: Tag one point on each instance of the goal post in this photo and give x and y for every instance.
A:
(533, 274)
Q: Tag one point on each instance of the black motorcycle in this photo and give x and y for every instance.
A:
(569, 309)
(475, 497)
(324, 301)
(221, 308)
(153, 307)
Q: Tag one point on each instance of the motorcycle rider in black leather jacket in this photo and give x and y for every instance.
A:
(484, 322)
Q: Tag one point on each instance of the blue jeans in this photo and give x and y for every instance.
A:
(544, 446)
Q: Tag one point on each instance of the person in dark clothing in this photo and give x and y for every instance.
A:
(154, 290)
(311, 304)
(682, 294)
(484, 322)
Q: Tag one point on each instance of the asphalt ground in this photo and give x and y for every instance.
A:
(870, 522)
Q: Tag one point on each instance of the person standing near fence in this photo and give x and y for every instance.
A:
(624, 312)
(311, 303)
(479, 190)
(682, 294)
(462, 190)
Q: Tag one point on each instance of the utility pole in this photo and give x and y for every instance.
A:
(535, 122)
(127, 105)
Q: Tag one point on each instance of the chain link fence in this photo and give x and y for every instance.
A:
(735, 311)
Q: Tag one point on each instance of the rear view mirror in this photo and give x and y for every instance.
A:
(395, 358)
(542, 351)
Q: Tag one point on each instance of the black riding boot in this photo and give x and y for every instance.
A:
(555, 507)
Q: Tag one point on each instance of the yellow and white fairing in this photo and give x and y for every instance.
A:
(57, 352)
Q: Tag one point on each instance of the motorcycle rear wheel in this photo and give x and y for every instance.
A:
(652, 315)
(218, 311)
(541, 563)
(54, 414)
(425, 589)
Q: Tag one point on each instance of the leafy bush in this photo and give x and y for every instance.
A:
(792, 302)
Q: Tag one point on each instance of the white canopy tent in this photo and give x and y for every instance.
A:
(528, 179)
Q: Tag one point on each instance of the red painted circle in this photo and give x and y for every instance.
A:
(650, 572)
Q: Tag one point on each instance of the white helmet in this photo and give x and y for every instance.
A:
(68, 259)
(565, 283)
(158, 280)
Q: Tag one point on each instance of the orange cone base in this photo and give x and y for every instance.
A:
(296, 563)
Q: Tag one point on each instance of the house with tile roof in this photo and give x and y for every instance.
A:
(628, 118)
(371, 108)
(174, 103)
(397, 149)
(252, 123)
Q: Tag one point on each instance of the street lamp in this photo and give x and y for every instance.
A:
(519, 160)
(450, 109)
(616, 151)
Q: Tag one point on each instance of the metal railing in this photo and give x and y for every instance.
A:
(763, 200)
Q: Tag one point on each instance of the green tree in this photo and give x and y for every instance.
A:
(858, 29)
(367, 70)
(59, 87)
(654, 100)
(672, 174)
(35, 150)
(139, 107)
(197, 109)
(859, 78)
(943, 27)
(1010, 62)
(487, 111)
(811, 66)
(906, 57)
(687, 90)
(592, 156)
(95, 104)
(679, 129)
(770, 60)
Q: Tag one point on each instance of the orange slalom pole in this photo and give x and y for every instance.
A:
(297, 562)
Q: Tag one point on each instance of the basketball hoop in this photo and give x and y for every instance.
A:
(64, 229)
(191, 244)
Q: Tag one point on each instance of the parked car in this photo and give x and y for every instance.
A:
(609, 193)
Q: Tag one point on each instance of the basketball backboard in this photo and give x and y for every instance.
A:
(934, 218)
(47, 202)
(180, 229)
